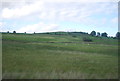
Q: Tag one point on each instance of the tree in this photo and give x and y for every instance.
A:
(93, 33)
(7, 31)
(98, 33)
(14, 31)
(118, 35)
(104, 34)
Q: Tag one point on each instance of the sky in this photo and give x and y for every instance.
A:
(51, 16)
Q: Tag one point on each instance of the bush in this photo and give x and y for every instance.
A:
(86, 39)
(14, 32)
(74, 36)
(7, 31)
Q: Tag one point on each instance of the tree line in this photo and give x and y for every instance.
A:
(93, 33)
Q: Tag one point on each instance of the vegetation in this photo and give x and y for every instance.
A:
(59, 55)
(74, 34)
(14, 32)
(7, 31)
(86, 39)
(104, 34)
(93, 33)
(98, 34)
(118, 35)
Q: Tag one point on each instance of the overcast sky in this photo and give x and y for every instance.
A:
(48, 16)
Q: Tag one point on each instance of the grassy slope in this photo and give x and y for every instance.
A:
(25, 56)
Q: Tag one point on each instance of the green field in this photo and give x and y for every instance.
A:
(47, 56)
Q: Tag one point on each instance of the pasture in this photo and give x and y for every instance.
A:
(45, 56)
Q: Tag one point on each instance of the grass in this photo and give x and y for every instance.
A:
(25, 56)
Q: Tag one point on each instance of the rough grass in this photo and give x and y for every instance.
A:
(25, 57)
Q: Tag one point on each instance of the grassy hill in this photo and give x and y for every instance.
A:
(59, 55)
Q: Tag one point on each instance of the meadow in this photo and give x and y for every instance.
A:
(49, 56)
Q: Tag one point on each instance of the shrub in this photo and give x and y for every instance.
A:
(86, 39)
(74, 36)
(14, 32)
(7, 31)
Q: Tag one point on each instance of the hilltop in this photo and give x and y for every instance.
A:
(54, 37)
